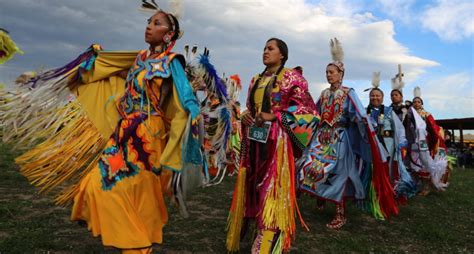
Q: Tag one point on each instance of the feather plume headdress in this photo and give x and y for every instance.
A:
(176, 7)
(190, 56)
(193, 70)
(417, 92)
(150, 6)
(397, 81)
(176, 10)
(337, 54)
(375, 81)
(417, 95)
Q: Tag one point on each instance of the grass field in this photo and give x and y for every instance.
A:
(439, 222)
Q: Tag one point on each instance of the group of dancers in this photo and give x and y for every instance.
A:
(119, 131)
(334, 149)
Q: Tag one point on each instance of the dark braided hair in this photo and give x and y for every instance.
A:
(282, 47)
(266, 103)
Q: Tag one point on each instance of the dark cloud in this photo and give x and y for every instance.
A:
(52, 32)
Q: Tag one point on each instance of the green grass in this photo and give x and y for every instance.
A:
(439, 222)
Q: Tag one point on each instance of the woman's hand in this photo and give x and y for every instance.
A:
(263, 117)
(247, 118)
(123, 74)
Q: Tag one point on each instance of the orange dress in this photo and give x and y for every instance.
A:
(121, 199)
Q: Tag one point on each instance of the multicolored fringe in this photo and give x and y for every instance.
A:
(380, 183)
(63, 157)
(233, 148)
(371, 203)
(82, 63)
(218, 128)
(216, 112)
(44, 110)
(451, 161)
(279, 207)
(39, 107)
(278, 248)
(236, 214)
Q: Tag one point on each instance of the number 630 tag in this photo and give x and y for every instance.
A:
(259, 134)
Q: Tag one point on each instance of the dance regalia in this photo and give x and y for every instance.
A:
(400, 110)
(119, 145)
(436, 143)
(265, 187)
(216, 115)
(391, 134)
(233, 148)
(345, 135)
(218, 127)
(428, 155)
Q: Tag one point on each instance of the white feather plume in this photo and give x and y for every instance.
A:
(397, 85)
(337, 52)
(376, 79)
(145, 10)
(190, 54)
(417, 92)
(176, 8)
(397, 81)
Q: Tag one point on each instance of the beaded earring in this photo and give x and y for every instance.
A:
(167, 38)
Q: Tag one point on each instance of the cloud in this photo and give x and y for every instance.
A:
(237, 30)
(449, 96)
(53, 32)
(401, 10)
(340, 8)
(234, 30)
(451, 20)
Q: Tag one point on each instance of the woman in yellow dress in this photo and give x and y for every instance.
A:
(124, 157)
(122, 198)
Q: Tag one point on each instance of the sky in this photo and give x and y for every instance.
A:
(431, 39)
